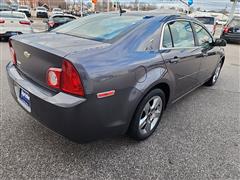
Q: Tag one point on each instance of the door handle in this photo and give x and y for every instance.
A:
(174, 60)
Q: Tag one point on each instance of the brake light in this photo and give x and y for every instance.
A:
(54, 77)
(51, 23)
(226, 29)
(66, 79)
(12, 52)
(25, 22)
(2, 21)
(70, 81)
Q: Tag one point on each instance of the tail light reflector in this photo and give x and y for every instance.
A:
(66, 79)
(25, 22)
(2, 21)
(12, 52)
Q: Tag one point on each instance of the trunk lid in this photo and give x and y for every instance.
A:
(37, 53)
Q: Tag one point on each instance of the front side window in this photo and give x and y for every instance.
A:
(182, 34)
(202, 35)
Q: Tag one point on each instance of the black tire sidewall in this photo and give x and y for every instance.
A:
(134, 126)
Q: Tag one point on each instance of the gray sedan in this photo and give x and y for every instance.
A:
(107, 75)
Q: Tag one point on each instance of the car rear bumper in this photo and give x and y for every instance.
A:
(79, 119)
(235, 38)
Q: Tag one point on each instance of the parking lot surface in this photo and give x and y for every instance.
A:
(198, 138)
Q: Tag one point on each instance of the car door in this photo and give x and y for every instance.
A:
(182, 57)
(208, 51)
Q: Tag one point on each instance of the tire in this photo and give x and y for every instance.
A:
(212, 81)
(147, 115)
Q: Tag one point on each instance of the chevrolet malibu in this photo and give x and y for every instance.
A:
(106, 75)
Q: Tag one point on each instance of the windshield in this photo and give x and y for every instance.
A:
(41, 8)
(99, 27)
(206, 20)
(11, 15)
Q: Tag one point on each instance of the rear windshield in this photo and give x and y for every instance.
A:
(206, 20)
(63, 19)
(23, 7)
(104, 28)
(235, 22)
(57, 10)
(11, 15)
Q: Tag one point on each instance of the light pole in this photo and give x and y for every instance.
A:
(234, 5)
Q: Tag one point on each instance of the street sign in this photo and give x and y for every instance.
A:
(190, 2)
(94, 2)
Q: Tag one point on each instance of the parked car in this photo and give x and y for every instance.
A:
(107, 75)
(209, 21)
(58, 20)
(57, 11)
(41, 12)
(25, 9)
(13, 23)
(14, 7)
(4, 7)
(231, 32)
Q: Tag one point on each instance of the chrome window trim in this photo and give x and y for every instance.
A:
(187, 20)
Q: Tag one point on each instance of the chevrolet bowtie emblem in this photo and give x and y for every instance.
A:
(27, 54)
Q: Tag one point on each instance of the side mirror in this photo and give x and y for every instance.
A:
(45, 21)
(220, 42)
(31, 21)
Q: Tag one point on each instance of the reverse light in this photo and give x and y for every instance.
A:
(25, 22)
(54, 77)
(66, 79)
(12, 52)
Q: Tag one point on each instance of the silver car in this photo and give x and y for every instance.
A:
(14, 23)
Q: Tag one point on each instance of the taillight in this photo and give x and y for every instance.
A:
(226, 29)
(66, 79)
(51, 23)
(54, 77)
(71, 81)
(25, 22)
(12, 52)
(2, 21)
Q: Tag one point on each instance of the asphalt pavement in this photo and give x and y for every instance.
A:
(198, 138)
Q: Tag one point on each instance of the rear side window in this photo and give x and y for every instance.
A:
(182, 34)
(167, 39)
(202, 35)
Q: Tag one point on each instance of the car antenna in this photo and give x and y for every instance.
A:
(121, 10)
